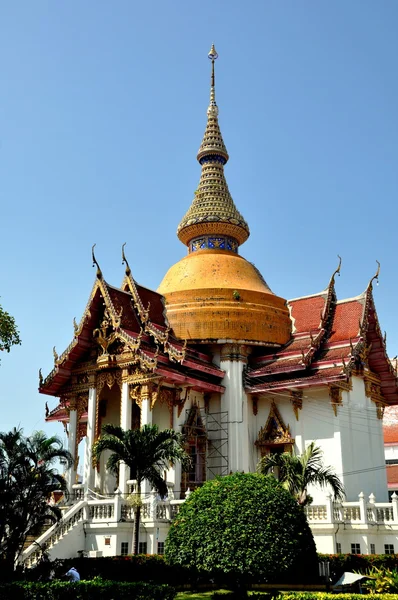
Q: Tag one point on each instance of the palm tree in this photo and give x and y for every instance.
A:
(296, 473)
(28, 478)
(148, 452)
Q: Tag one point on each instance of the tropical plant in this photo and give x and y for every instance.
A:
(381, 581)
(28, 478)
(297, 472)
(148, 452)
(243, 527)
(9, 334)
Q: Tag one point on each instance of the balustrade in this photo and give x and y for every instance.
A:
(101, 511)
(316, 512)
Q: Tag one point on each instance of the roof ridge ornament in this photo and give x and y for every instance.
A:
(95, 262)
(125, 262)
(375, 277)
(337, 272)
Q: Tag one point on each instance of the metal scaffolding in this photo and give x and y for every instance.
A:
(208, 435)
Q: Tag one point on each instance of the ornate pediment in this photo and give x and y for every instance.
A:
(275, 431)
(194, 426)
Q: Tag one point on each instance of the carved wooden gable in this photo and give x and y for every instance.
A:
(194, 426)
(275, 431)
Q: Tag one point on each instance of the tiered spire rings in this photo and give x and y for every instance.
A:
(213, 220)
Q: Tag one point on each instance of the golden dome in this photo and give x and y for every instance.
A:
(214, 295)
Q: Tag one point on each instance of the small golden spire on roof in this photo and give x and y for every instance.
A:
(99, 272)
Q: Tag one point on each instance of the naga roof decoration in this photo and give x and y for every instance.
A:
(117, 331)
(331, 340)
(213, 211)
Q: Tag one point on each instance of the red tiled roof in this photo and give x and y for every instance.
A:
(123, 301)
(392, 475)
(306, 313)
(330, 351)
(348, 315)
(198, 367)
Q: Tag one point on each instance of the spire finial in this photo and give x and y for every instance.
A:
(213, 211)
(213, 109)
(99, 272)
(124, 261)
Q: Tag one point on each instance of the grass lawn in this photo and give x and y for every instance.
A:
(205, 595)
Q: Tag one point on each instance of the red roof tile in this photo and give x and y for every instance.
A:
(347, 317)
(392, 475)
(306, 312)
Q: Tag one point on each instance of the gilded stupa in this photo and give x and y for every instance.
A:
(213, 294)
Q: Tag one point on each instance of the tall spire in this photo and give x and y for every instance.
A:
(213, 212)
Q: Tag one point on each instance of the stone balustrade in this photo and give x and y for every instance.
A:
(361, 512)
(99, 512)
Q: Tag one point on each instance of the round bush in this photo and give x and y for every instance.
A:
(244, 524)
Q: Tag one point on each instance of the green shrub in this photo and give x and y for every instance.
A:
(245, 526)
(139, 567)
(361, 563)
(329, 596)
(383, 581)
(97, 589)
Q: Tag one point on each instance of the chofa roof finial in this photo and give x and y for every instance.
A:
(124, 261)
(375, 277)
(99, 272)
(337, 271)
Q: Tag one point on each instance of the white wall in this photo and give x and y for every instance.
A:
(362, 445)
(352, 441)
(391, 452)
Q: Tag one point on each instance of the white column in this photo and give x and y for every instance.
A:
(89, 471)
(363, 507)
(234, 400)
(71, 475)
(177, 470)
(146, 419)
(146, 413)
(125, 423)
(394, 500)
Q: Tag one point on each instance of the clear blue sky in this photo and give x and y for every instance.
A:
(102, 110)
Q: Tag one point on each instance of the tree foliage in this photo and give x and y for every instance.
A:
(9, 334)
(27, 480)
(296, 473)
(147, 451)
(245, 525)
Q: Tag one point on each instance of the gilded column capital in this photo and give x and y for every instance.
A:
(336, 397)
(296, 398)
(235, 352)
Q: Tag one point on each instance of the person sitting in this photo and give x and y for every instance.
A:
(72, 575)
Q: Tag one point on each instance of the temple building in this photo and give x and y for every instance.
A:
(242, 372)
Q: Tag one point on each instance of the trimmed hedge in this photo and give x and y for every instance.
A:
(86, 590)
(328, 596)
(140, 567)
(339, 563)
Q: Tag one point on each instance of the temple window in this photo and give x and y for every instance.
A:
(160, 547)
(124, 548)
(355, 548)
